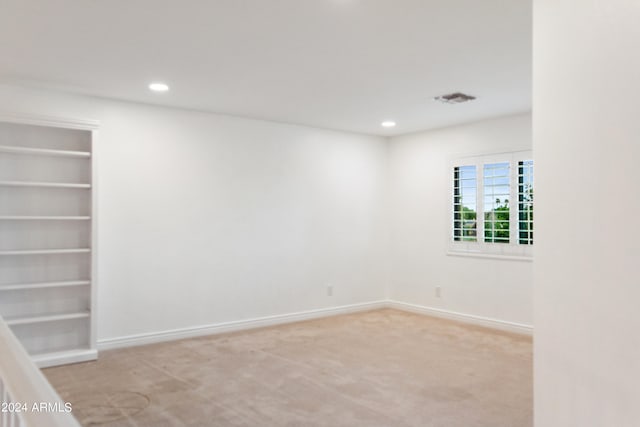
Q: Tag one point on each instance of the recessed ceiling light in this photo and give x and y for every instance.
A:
(388, 124)
(159, 87)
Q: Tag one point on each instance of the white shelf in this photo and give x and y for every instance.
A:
(44, 218)
(43, 285)
(49, 318)
(47, 251)
(43, 152)
(43, 184)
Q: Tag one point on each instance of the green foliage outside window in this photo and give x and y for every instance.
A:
(496, 223)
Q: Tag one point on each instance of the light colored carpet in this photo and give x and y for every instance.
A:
(377, 368)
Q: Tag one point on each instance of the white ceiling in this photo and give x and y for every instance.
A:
(338, 64)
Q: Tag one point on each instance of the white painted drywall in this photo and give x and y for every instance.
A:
(420, 209)
(586, 131)
(206, 218)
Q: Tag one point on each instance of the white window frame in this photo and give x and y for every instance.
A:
(512, 250)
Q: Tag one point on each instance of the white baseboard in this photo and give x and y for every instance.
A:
(238, 325)
(462, 317)
(260, 322)
(64, 357)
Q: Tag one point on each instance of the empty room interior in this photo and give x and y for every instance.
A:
(319, 213)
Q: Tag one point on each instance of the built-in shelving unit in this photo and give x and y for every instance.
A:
(47, 236)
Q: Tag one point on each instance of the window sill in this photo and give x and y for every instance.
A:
(491, 256)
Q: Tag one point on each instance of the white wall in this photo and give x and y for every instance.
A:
(420, 225)
(587, 147)
(206, 218)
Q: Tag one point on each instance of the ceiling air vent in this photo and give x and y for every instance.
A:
(455, 98)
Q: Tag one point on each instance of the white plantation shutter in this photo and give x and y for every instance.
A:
(496, 195)
(525, 202)
(465, 204)
(492, 198)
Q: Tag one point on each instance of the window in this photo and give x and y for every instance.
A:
(493, 205)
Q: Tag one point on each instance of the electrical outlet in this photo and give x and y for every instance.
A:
(329, 290)
(438, 292)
